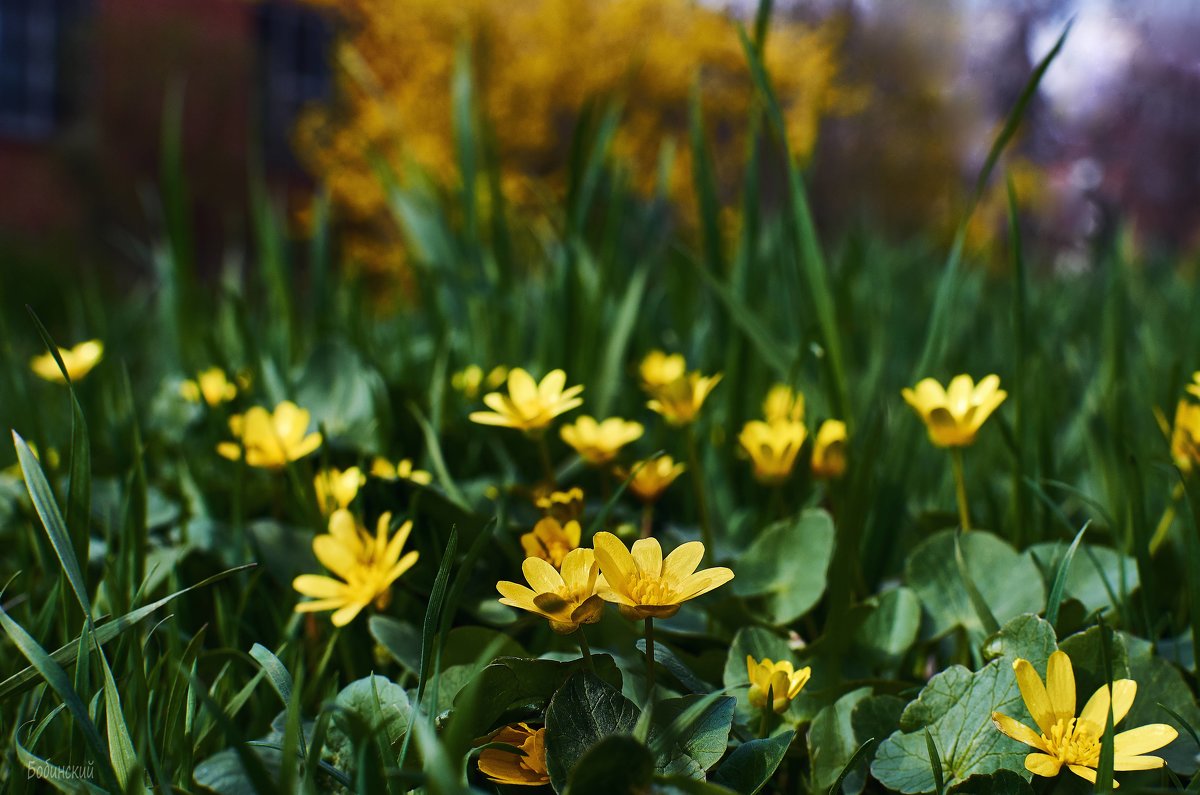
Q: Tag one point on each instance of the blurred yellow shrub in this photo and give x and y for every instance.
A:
(536, 62)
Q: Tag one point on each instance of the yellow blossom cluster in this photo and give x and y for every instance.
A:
(537, 64)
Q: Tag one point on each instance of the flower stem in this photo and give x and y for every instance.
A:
(647, 519)
(764, 726)
(650, 657)
(586, 650)
(706, 533)
(544, 451)
(960, 488)
(1164, 524)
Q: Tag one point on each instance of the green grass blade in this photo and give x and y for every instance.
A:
(935, 762)
(1054, 601)
(60, 683)
(103, 633)
(47, 510)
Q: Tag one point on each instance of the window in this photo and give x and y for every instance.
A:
(32, 57)
(295, 49)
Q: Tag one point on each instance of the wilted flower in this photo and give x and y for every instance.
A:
(564, 506)
(403, 470)
(780, 678)
(829, 450)
(651, 478)
(599, 442)
(366, 565)
(79, 361)
(953, 416)
(1075, 742)
(680, 401)
(336, 488)
(551, 541)
(529, 406)
(1185, 436)
(565, 599)
(528, 768)
(270, 440)
(659, 369)
(773, 448)
(211, 385)
(784, 403)
(644, 585)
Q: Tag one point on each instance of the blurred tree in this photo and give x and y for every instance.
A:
(536, 64)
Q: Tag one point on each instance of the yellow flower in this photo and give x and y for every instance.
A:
(680, 401)
(1185, 436)
(564, 506)
(336, 488)
(270, 440)
(79, 362)
(14, 470)
(783, 682)
(402, 469)
(773, 448)
(529, 406)
(211, 385)
(829, 450)
(468, 380)
(526, 769)
(645, 585)
(1075, 742)
(784, 403)
(599, 442)
(1194, 387)
(953, 416)
(659, 369)
(366, 565)
(565, 599)
(651, 478)
(551, 541)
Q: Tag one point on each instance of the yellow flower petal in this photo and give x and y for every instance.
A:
(647, 554)
(1033, 691)
(1042, 765)
(1060, 685)
(1017, 730)
(1143, 739)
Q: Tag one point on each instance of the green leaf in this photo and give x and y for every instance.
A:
(615, 765)
(702, 741)
(510, 682)
(1159, 682)
(1002, 782)
(1094, 578)
(768, 569)
(752, 763)
(890, 628)
(1008, 581)
(376, 701)
(955, 708)
(832, 744)
(1026, 637)
(401, 639)
(584, 711)
(346, 396)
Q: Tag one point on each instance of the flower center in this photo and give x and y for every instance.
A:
(649, 589)
(1073, 747)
